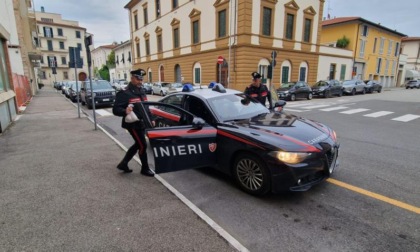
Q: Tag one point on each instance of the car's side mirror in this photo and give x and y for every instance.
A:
(198, 123)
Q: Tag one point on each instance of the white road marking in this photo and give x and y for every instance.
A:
(297, 104)
(103, 112)
(354, 111)
(406, 118)
(333, 109)
(315, 106)
(295, 110)
(379, 114)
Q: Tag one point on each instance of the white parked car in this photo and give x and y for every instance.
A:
(119, 84)
(160, 88)
(175, 87)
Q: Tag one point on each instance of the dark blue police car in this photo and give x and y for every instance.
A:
(263, 150)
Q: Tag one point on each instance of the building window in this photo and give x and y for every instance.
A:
(285, 74)
(129, 57)
(393, 67)
(50, 45)
(343, 72)
(266, 25)
(157, 8)
(147, 47)
(197, 75)
(61, 45)
(48, 32)
(386, 67)
(176, 37)
(3, 72)
(378, 65)
(390, 47)
(381, 46)
(79, 45)
(52, 61)
(63, 60)
(362, 48)
(332, 72)
(43, 75)
(136, 21)
(290, 25)
(374, 45)
(365, 31)
(397, 49)
(66, 75)
(78, 34)
(159, 43)
(145, 17)
(221, 24)
(60, 31)
(138, 49)
(307, 31)
(174, 4)
(42, 59)
(196, 32)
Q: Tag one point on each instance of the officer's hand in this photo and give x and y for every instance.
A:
(153, 124)
(128, 110)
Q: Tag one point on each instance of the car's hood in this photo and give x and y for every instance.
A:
(287, 132)
(283, 89)
(103, 90)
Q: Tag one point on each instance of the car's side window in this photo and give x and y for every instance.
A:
(167, 116)
(198, 108)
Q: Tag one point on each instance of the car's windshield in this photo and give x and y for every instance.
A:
(348, 83)
(236, 106)
(165, 84)
(101, 84)
(287, 85)
(321, 84)
(176, 85)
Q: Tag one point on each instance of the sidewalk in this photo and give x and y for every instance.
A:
(60, 191)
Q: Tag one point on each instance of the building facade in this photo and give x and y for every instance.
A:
(334, 64)
(411, 47)
(375, 48)
(123, 64)
(55, 36)
(100, 57)
(186, 40)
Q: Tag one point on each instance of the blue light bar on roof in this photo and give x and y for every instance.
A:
(187, 88)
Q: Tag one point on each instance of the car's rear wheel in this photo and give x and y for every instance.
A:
(327, 93)
(353, 92)
(251, 174)
(340, 93)
(379, 90)
(364, 91)
(293, 97)
(161, 93)
(309, 96)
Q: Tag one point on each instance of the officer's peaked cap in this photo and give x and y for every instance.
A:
(256, 75)
(139, 73)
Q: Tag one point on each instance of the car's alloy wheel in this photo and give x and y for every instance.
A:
(327, 93)
(293, 97)
(152, 93)
(161, 93)
(251, 174)
(353, 92)
(310, 96)
(364, 91)
(340, 93)
(379, 90)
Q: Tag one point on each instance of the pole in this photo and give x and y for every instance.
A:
(77, 83)
(93, 98)
(220, 73)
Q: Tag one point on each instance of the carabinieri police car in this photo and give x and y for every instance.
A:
(264, 151)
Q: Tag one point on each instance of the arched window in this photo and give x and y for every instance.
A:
(161, 73)
(177, 73)
(263, 69)
(197, 73)
(285, 70)
(303, 71)
(149, 75)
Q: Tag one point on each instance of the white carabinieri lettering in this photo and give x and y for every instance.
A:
(179, 150)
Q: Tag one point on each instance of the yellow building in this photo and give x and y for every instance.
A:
(182, 40)
(375, 48)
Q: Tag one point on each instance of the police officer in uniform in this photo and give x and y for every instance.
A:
(259, 91)
(133, 93)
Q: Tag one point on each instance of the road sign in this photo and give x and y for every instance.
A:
(220, 60)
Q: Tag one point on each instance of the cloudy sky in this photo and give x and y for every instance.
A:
(108, 20)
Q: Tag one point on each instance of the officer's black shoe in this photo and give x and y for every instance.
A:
(124, 167)
(147, 172)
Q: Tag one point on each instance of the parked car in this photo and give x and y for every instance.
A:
(64, 88)
(413, 84)
(352, 87)
(58, 85)
(327, 88)
(119, 84)
(294, 90)
(160, 88)
(147, 87)
(175, 87)
(74, 90)
(373, 85)
(103, 93)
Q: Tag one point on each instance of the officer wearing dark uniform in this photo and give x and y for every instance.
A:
(259, 91)
(133, 93)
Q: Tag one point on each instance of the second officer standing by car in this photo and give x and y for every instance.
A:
(259, 91)
(133, 93)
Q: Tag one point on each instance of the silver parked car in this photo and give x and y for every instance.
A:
(352, 87)
(160, 88)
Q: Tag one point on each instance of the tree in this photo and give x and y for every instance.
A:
(104, 73)
(111, 60)
(343, 42)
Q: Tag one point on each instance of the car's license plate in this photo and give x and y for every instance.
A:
(105, 99)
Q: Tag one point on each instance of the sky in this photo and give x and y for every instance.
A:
(108, 20)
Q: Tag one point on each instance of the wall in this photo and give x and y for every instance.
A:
(337, 56)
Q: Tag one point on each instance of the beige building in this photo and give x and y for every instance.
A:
(122, 61)
(56, 35)
(100, 56)
(411, 47)
(183, 40)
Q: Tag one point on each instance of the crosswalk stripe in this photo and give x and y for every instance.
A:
(333, 109)
(406, 118)
(354, 111)
(315, 106)
(295, 110)
(103, 112)
(297, 105)
(379, 114)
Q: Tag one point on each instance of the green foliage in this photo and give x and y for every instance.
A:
(104, 73)
(343, 42)
(111, 60)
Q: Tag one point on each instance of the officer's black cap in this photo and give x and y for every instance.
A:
(256, 75)
(139, 73)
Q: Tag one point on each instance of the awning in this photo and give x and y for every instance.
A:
(412, 74)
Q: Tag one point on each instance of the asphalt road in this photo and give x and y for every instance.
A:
(371, 203)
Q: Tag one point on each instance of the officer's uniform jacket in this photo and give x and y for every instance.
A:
(260, 93)
(130, 95)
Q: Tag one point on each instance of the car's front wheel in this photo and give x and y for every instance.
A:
(161, 93)
(293, 97)
(353, 92)
(309, 96)
(251, 174)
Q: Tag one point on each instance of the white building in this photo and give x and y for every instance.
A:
(334, 63)
(100, 56)
(122, 61)
(411, 47)
(56, 35)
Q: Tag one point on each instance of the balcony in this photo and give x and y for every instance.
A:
(57, 50)
(56, 37)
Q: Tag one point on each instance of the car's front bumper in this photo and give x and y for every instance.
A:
(318, 92)
(283, 95)
(101, 100)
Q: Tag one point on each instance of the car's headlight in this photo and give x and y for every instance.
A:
(290, 157)
(113, 93)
